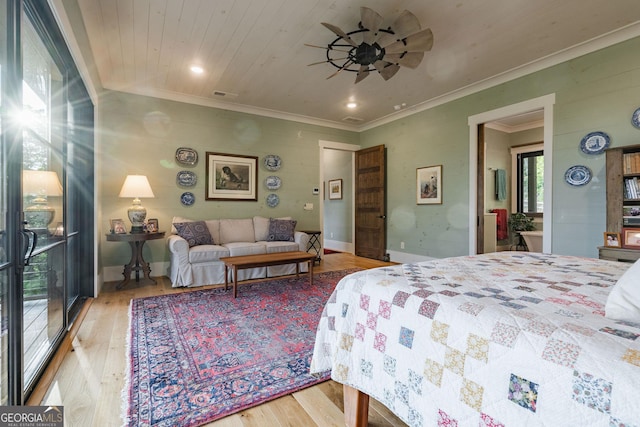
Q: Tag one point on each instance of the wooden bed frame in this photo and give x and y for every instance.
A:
(356, 407)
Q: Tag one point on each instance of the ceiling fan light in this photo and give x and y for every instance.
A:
(351, 105)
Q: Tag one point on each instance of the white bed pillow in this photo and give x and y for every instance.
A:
(623, 303)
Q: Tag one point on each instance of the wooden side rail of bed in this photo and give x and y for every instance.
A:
(356, 407)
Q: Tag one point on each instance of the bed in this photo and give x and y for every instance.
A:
(501, 339)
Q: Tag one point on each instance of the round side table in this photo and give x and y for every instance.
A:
(137, 263)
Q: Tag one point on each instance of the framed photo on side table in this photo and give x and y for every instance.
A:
(429, 185)
(231, 177)
(117, 226)
(631, 238)
(335, 189)
(152, 225)
(612, 240)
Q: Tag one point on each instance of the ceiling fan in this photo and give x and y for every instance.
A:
(371, 48)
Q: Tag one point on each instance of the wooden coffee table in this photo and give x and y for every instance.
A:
(264, 260)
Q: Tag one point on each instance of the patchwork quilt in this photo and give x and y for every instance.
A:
(501, 339)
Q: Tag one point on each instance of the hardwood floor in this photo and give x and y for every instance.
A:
(91, 376)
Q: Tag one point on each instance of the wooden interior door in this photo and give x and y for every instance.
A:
(370, 203)
(480, 190)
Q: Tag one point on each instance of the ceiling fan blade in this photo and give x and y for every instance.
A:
(346, 64)
(337, 31)
(408, 59)
(405, 24)
(371, 20)
(327, 60)
(386, 69)
(419, 42)
(363, 72)
(327, 48)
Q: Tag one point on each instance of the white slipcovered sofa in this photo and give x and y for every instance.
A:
(196, 264)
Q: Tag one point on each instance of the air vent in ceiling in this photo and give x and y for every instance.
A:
(351, 119)
(223, 94)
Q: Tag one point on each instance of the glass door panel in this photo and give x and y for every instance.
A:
(43, 195)
(5, 266)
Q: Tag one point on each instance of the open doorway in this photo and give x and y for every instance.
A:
(337, 213)
(477, 164)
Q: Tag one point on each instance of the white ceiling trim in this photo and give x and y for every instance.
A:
(606, 40)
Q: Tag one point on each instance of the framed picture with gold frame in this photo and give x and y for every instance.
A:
(631, 238)
(612, 240)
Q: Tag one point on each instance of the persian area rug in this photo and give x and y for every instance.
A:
(197, 356)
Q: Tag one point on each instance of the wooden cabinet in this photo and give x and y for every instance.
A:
(623, 198)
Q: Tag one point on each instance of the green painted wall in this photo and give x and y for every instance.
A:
(337, 215)
(596, 92)
(140, 135)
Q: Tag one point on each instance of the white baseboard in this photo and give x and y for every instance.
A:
(406, 258)
(336, 245)
(114, 273)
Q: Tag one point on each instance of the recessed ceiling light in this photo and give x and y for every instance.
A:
(351, 105)
(197, 69)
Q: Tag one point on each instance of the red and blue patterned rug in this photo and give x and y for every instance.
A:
(198, 356)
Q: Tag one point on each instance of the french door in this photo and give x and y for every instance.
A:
(44, 122)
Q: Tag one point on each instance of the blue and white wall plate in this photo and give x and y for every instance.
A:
(186, 156)
(272, 182)
(187, 198)
(272, 162)
(595, 143)
(273, 200)
(635, 118)
(186, 178)
(577, 175)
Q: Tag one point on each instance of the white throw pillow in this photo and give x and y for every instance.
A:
(623, 303)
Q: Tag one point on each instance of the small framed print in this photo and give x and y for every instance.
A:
(152, 225)
(429, 185)
(631, 238)
(117, 226)
(612, 240)
(335, 189)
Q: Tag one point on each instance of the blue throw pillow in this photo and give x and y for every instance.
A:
(281, 230)
(195, 233)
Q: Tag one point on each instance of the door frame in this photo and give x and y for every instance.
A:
(545, 103)
(341, 146)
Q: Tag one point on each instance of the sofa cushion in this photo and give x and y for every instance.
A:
(236, 230)
(214, 228)
(276, 247)
(245, 248)
(195, 232)
(207, 253)
(281, 230)
(261, 227)
(177, 219)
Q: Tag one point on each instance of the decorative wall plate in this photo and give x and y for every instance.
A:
(187, 198)
(186, 178)
(595, 143)
(272, 182)
(635, 118)
(273, 200)
(272, 162)
(186, 156)
(577, 175)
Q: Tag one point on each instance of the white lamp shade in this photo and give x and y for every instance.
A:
(136, 186)
(41, 183)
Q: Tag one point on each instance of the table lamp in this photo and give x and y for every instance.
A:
(136, 186)
(41, 184)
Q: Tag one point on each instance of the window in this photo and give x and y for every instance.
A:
(528, 185)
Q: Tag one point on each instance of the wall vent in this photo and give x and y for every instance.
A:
(223, 94)
(352, 119)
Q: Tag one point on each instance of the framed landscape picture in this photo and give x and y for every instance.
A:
(231, 177)
(429, 185)
(335, 189)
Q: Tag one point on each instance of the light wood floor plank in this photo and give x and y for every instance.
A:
(91, 376)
